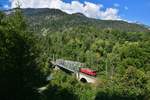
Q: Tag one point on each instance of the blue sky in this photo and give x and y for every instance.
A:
(4, 4)
(130, 10)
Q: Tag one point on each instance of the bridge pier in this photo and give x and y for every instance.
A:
(56, 68)
(85, 78)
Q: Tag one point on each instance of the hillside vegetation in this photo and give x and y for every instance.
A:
(56, 20)
(119, 51)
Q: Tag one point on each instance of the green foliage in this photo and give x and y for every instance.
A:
(64, 87)
(132, 86)
(119, 51)
(54, 19)
(20, 73)
(111, 52)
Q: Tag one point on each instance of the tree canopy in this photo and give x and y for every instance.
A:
(119, 52)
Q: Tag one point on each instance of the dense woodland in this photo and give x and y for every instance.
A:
(117, 50)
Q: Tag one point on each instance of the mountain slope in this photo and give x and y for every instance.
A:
(54, 19)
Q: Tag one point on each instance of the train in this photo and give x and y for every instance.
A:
(88, 71)
(75, 66)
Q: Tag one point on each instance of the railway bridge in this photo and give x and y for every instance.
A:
(74, 67)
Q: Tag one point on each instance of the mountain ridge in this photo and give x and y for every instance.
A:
(48, 16)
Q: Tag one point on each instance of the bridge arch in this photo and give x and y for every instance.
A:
(83, 80)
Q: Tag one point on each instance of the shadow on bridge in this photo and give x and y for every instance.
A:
(65, 70)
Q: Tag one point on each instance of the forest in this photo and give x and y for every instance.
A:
(117, 50)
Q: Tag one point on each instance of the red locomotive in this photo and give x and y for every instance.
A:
(88, 71)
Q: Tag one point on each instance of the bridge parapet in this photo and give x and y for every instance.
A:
(70, 65)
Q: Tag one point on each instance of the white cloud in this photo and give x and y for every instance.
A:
(87, 8)
(116, 5)
(6, 7)
(110, 14)
(126, 8)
